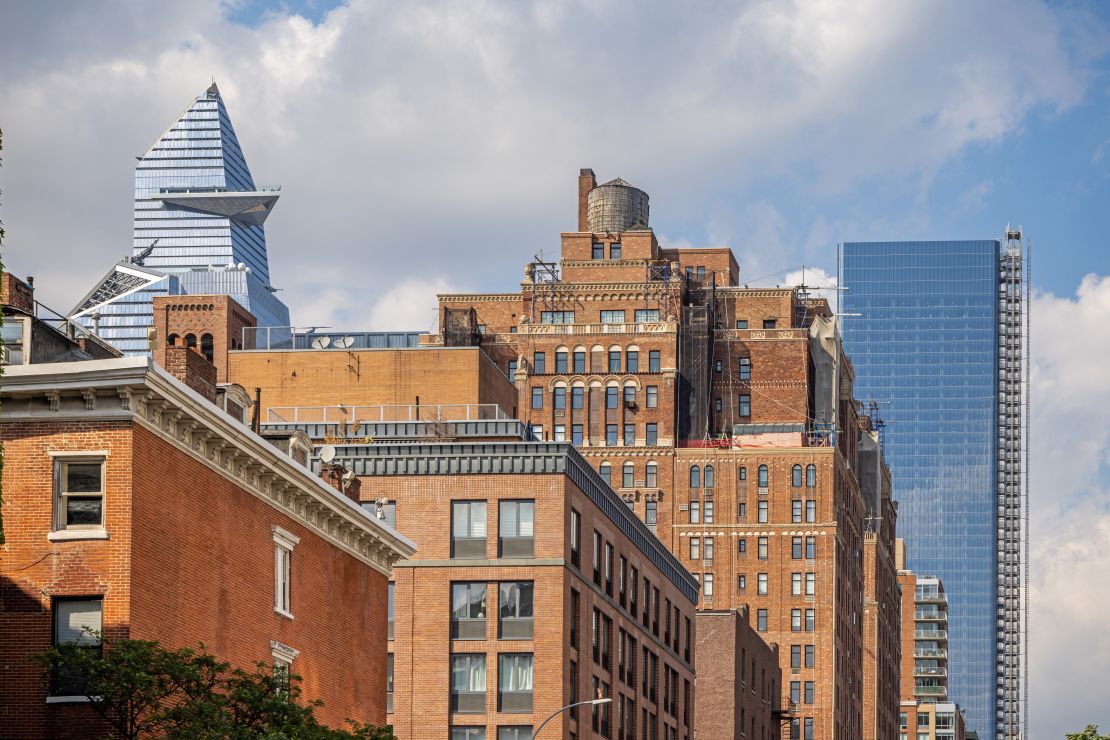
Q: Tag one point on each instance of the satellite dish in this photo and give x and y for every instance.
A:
(348, 476)
(321, 342)
(327, 453)
(344, 342)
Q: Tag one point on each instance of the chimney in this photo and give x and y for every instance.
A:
(334, 475)
(586, 183)
(193, 369)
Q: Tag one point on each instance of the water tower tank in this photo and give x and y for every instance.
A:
(616, 206)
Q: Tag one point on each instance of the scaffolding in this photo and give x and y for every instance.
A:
(1013, 488)
(695, 358)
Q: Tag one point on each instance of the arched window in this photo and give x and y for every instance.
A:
(190, 340)
(796, 476)
(709, 476)
(606, 472)
(695, 476)
(762, 476)
(206, 346)
(171, 340)
(811, 476)
(651, 479)
(628, 475)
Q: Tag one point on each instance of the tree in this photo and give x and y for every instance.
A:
(142, 689)
(1090, 732)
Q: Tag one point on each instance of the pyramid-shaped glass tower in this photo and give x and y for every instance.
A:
(198, 230)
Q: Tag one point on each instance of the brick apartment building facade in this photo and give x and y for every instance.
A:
(738, 678)
(536, 587)
(722, 415)
(111, 466)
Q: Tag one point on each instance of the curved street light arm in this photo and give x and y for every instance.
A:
(568, 707)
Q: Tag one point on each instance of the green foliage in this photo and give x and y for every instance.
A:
(1090, 732)
(144, 690)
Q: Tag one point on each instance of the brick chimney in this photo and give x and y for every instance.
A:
(193, 369)
(586, 183)
(333, 476)
(16, 293)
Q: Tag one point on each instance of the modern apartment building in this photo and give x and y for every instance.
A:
(723, 416)
(114, 471)
(535, 588)
(936, 331)
(198, 229)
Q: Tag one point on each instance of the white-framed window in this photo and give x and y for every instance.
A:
(79, 492)
(283, 656)
(79, 621)
(284, 542)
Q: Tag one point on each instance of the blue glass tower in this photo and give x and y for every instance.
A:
(930, 328)
(198, 229)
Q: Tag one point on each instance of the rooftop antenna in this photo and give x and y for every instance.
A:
(138, 259)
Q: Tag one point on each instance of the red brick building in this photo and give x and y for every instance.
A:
(134, 506)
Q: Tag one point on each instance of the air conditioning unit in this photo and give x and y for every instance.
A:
(629, 404)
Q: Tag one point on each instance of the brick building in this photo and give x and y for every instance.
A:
(214, 324)
(113, 472)
(723, 416)
(739, 678)
(34, 334)
(536, 587)
(925, 710)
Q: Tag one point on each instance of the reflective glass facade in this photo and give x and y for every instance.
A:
(204, 246)
(925, 345)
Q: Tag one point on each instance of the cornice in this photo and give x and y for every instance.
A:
(134, 389)
(470, 297)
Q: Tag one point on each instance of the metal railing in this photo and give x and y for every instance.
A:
(930, 671)
(644, 327)
(930, 616)
(930, 634)
(370, 414)
(311, 338)
(939, 653)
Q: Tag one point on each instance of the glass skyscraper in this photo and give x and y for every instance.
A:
(198, 229)
(934, 331)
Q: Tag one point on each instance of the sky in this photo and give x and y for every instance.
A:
(425, 147)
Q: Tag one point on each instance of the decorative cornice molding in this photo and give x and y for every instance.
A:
(164, 406)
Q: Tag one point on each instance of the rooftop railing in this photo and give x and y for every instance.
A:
(644, 327)
(370, 414)
(312, 338)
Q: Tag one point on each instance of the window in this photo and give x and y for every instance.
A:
(742, 545)
(468, 733)
(717, 366)
(389, 683)
(795, 584)
(576, 435)
(796, 692)
(517, 524)
(741, 323)
(810, 656)
(516, 732)
(811, 548)
(575, 538)
(79, 493)
(763, 480)
(559, 433)
(632, 361)
(745, 405)
(608, 568)
(695, 548)
(646, 314)
(811, 511)
(537, 398)
(742, 510)
(761, 512)
(762, 548)
(769, 323)
(612, 317)
(709, 478)
(795, 548)
(561, 361)
(284, 542)
(761, 584)
(556, 317)
(389, 627)
(12, 335)
(695, 476)
(708, 548)
(614, 360)
(795, 620)
(468, 683)
(717, 405)
(651, 434)
(575, 619)
(707, 585)
(651, 509)
(611, 397)
(579, 361)
(598, 252)
(810, 619)
(576, 395)
(611, 435)
(628, 473)
(622, 580)
(468, 529)
(745, 368)
(811, 476)
(206, 346)
(795, 656)
(707, 512)
(615, 250)
(597, 558)
(539, 363)
(695, 512)
(796, 476)
(514, 611)
(629, 435)
(809, 692)
(808, 721)
(922, 719)
(742, 474)
(903, 721)
(653, 361)
(811, 584)
(741, 583)
(652, 397)
(468, 611)
(77, 621)
(796, 511)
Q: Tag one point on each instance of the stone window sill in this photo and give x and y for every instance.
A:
(72, 535)
(67, 700)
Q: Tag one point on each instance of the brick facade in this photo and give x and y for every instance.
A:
(739, 679)
(213, 324)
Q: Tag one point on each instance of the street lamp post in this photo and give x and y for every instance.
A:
(557, 712)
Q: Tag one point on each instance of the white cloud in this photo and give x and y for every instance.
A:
(1070, 497)
(410, 305)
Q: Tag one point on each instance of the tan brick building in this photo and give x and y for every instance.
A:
(536, 587)
(739, 678)
(114, 474)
